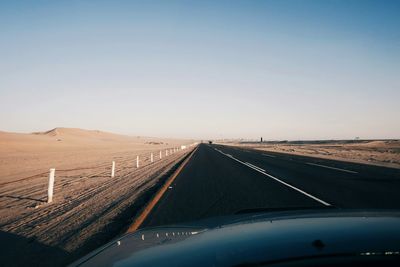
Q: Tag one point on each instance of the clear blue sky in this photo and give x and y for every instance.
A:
(202, 69)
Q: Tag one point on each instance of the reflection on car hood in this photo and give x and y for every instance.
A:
(234, 240)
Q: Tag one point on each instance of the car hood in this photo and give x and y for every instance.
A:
(253, 238)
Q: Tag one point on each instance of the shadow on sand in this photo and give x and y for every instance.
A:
(22, 198)
(20, 251)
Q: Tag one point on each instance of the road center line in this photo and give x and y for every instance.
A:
(329, 167)
(254, 166)
(278, 180)
(269, 155)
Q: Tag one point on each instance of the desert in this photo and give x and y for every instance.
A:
(372, 152)
(199, 133)
(89, 207)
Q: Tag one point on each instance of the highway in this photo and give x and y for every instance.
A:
(223, 180)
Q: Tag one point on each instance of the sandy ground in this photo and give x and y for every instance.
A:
(379, 152)
(89, 206)
(25, 155)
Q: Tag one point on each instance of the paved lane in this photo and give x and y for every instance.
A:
(343, 184)
(221, 180)
(212, 184)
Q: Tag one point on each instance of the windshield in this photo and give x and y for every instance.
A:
(118, 116)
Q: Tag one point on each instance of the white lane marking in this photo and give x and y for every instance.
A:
(269, 155)
(254, 166)
(280, 181)
(329, 167)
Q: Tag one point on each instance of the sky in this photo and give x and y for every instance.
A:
(283, 70)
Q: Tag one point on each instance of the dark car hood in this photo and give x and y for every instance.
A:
(265, 237)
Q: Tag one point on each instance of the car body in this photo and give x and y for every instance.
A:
(278, 238)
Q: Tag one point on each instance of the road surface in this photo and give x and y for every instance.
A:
(222, 180)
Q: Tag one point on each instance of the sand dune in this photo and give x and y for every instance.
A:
(23, 155)
(76, 134)
(83, 188)
(89, 207)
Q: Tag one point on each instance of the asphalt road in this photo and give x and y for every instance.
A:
(222, 180)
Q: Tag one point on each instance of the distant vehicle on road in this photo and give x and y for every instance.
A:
(210, 142)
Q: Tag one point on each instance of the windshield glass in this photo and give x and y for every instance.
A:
(118, 116)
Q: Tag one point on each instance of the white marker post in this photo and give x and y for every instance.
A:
(137, 161)
(51, 186)
(166, 152)
(160, 154)
(151, 157)
(113, 169)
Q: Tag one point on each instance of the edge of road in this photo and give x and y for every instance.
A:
(156, 198)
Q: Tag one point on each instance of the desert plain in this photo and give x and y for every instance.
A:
(89, 206)
(373, 152)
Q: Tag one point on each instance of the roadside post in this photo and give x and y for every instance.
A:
(137, 161)
(151, 157)
(51, 185)
(113, 169)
